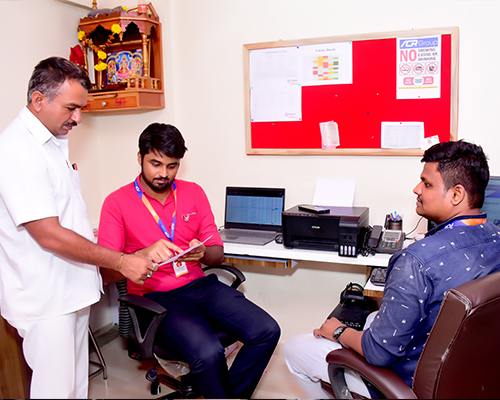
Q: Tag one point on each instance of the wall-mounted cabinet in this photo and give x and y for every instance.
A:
(126, 48)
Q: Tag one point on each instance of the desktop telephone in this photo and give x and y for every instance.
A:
(379, 241)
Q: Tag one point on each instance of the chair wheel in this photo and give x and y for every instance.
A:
(152, 375)
(155, 388)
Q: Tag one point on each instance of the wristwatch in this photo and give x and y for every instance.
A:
(339, 331)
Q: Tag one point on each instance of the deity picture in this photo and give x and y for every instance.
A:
(122, 65)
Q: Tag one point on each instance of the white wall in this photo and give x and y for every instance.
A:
(203, 69)
(31, 30)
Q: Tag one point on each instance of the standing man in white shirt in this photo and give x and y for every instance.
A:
(48, 273)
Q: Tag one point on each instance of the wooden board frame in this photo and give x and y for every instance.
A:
(247, 48)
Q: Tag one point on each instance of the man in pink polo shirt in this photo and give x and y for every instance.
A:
(157, 216)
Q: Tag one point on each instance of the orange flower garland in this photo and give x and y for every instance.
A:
(100, 50)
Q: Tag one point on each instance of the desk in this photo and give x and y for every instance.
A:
(279, 252)
(278, 256)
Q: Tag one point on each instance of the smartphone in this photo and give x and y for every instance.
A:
(314, 209)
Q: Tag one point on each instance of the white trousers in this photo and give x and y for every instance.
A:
(57, 351)
(305, 357)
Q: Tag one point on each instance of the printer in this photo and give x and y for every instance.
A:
(340, 229)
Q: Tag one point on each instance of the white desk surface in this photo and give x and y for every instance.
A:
(275, 250)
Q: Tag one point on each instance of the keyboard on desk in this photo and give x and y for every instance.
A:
(378, 275)
(246, 236)
(247, 233)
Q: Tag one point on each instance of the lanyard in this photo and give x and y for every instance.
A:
(154, 213)
(465, 222)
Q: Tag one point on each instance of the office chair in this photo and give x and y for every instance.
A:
(459, 359)
(139, 320)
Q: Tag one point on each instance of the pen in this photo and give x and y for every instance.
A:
(395, 216)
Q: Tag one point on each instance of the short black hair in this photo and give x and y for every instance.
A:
(163, 138)
(51, 73)
(462, 163)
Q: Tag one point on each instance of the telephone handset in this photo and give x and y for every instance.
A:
(388, 241)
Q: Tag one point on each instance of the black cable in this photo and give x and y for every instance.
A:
(416, 226)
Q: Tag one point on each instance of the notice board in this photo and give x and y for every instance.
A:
(376, 94)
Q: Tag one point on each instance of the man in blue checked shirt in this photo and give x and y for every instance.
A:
(462, 247)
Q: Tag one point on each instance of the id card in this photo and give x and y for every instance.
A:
(180, 268)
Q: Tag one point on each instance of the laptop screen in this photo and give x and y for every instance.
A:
(491, 204)
(254, 208)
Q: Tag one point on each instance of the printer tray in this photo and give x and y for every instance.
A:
(317, 244)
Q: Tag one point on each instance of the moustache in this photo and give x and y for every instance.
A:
(71, 123)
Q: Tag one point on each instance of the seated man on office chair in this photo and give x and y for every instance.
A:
(157, 216)
(462, 247)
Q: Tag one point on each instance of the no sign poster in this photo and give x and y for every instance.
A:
(419, 67)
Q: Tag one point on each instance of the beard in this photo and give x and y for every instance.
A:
(156, 187)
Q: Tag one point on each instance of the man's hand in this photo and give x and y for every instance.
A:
(51, 236)
(195, 254)
(326, 330)
(159, 251)
(163, 249)
(351, 338)
(137, 268)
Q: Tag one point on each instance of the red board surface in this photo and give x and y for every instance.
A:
(359, 108)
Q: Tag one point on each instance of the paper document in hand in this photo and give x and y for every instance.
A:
(177, 256)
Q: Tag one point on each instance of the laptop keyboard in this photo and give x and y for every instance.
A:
(245, 233)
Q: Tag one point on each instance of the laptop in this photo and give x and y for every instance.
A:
(252, 215)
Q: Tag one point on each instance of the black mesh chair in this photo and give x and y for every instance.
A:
(139, 319)
(460, 357)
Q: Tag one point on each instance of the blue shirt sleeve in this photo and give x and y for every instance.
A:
(394, 331)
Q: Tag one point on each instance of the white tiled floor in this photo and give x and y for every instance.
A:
(126, 377)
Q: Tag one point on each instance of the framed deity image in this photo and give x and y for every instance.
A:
(123, 65)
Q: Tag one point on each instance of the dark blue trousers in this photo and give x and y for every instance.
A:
(187, 331)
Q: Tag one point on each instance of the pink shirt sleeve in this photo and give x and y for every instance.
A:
(111, 227)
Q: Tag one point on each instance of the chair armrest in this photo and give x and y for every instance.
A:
(135, 300)
(146, 316)
(386, 381)
(238, 275)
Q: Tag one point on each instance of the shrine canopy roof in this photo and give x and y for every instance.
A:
(118, 15)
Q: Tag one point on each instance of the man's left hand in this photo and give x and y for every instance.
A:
(195, 254)
(326, 330)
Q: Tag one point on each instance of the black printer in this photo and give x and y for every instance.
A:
(340, 229)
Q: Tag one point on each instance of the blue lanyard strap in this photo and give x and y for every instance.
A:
(155, 214)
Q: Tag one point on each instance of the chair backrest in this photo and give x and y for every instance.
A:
(461, 355)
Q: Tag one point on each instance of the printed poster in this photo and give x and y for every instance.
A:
(326, 64)
(419, 67)
(275, 92)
